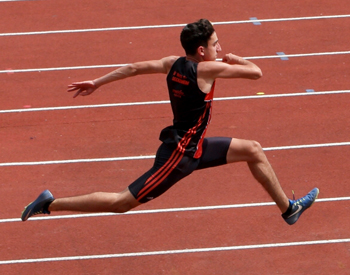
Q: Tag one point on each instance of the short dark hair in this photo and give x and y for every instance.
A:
(196, 34)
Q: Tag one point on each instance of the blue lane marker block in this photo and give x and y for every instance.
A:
(255, 21)
(310, 90)
(283, 55)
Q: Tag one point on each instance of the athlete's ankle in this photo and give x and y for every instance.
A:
(289, 210)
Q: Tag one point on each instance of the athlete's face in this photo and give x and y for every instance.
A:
(211, 52)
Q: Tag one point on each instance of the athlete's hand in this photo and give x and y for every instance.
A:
(83, 88)
(232, 59)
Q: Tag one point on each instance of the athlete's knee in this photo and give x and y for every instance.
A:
(255, 150)
(118, 208)
(124, 202)
(245, 150)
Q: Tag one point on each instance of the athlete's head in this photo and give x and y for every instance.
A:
(195, 35)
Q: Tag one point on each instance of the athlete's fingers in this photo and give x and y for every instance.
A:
(72, 88)
(82, 88)
(78, 93)
(224, 59)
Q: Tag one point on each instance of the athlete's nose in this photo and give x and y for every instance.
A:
(218, 47)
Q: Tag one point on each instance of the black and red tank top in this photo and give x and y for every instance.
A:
(191, 108)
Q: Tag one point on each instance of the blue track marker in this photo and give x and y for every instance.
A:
(310, 90)
(283, 55)
(255, 21)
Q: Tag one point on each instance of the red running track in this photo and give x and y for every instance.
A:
(110, 132)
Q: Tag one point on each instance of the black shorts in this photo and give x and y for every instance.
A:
(170, 166)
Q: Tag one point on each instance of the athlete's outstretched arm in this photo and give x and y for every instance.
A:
(145, 67)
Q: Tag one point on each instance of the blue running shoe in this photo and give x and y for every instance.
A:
(299, 206)
(39, 206)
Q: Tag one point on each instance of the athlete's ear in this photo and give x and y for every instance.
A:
(200, 50)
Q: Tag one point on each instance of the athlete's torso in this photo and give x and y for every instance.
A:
(191, 108)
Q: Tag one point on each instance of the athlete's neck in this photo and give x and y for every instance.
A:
(193, 58)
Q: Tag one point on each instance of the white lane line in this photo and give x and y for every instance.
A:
(307, 146)
(85, 106)
(75, 161)
(69, 161)
(174, 25)
(165, 210)
(298, 55)
(178, 251)
(16, 0)
(121, 65)
(167, 102)
(62, 68)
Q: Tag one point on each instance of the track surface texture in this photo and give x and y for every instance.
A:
(217, 221)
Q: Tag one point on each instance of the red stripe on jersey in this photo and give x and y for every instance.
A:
(191, 132)
(209, 97)
(177, 155)
(199, 151)
(160, 175)
(169, 166)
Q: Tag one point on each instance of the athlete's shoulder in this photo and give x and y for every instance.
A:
(169, 61)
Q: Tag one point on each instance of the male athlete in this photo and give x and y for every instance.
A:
(184, 148)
